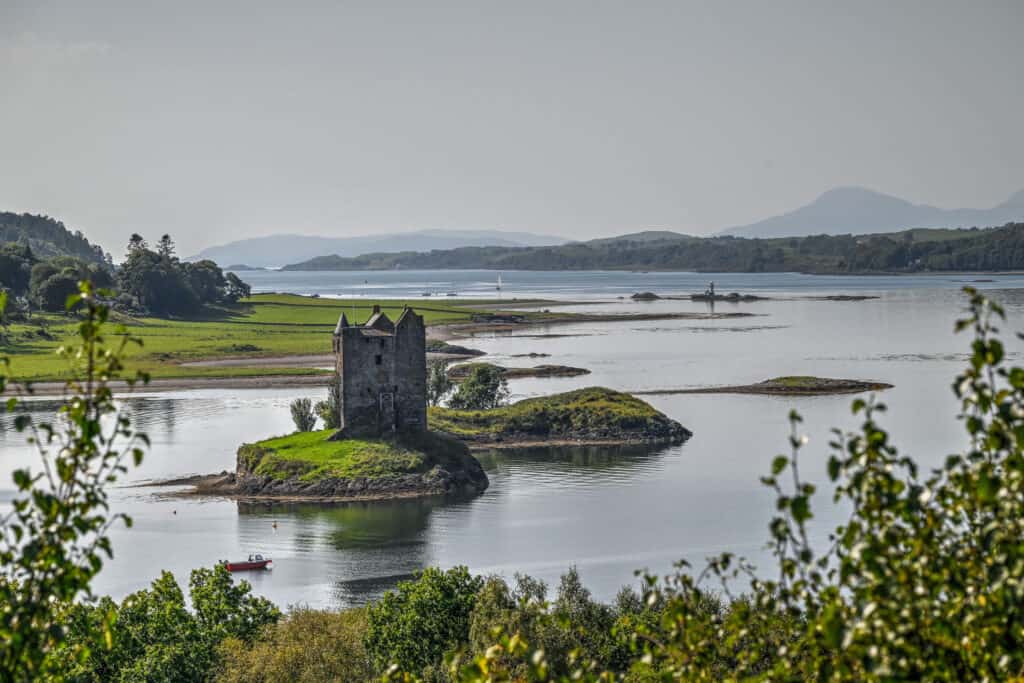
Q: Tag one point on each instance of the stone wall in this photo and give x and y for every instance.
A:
(411, 372)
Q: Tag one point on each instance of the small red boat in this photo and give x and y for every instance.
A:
(254, 562)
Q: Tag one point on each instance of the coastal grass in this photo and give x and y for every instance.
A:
(311, 456)
(265, 325)
(594, 410)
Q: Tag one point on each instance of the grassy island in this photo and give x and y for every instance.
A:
(315, 465)
(592, 415)
(310, 456)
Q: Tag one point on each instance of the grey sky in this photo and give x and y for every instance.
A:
(215, 121)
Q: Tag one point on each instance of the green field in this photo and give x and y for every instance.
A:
(266, 325)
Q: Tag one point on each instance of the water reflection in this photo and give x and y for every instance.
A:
(609, 511)
(577, 466)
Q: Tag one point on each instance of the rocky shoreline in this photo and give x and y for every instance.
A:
(584, 417)
(448, 469)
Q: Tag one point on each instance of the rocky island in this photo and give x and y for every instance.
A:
(458, 373)
(312, 466)
(798, 385)
(589, 416)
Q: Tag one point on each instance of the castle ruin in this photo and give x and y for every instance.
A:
(382, 366)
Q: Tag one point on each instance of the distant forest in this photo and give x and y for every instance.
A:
(41, 263)
(918, 250)
(48, 238)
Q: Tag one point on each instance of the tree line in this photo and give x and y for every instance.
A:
(150, 281)
(48, 237)
(920, 250)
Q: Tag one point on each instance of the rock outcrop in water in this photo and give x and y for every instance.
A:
(586, 416)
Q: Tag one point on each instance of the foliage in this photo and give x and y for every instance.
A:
(154, 636)
(413, 627)
(308, 646)
(596, 411)
(49, 282)
(908, 251)
(574, 628)
(159, 282)
(330, 410)
(236, 289)
(439, 385)
(485, 388)
(302, 414)
(16, 261)
(55, 536)
(47, 238)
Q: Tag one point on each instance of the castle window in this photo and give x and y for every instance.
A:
(379, 358)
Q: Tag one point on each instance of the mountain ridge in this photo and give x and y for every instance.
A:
(281, 249)
(859, 211)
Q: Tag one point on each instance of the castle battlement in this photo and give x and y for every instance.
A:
(382, 366)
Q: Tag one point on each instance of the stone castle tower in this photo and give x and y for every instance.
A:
(383, 371)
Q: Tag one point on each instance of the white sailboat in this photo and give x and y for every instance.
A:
(499, 283)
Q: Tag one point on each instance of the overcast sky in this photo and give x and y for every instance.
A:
(215, 121)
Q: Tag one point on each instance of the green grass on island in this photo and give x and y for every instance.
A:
(309, 456)
(266, 325)
(594, 411)
(312, 456)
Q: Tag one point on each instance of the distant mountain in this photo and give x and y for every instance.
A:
(48, 237)
(858, 211)
(278, 250)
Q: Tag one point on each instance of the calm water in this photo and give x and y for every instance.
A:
(607, 511)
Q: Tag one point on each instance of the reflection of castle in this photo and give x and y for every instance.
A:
(383, 371)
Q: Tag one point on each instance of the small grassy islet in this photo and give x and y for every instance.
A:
(310, 456)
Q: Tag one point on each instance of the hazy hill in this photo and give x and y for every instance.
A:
(277, 250)
(48, 237)
(918, 250)
(644, 236)
(857, 211)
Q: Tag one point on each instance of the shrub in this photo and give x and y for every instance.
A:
(302, 414)
(439, 384)
(154, 637)
(309, 646)
(414, 626)
(484, 389)
(330, 410)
